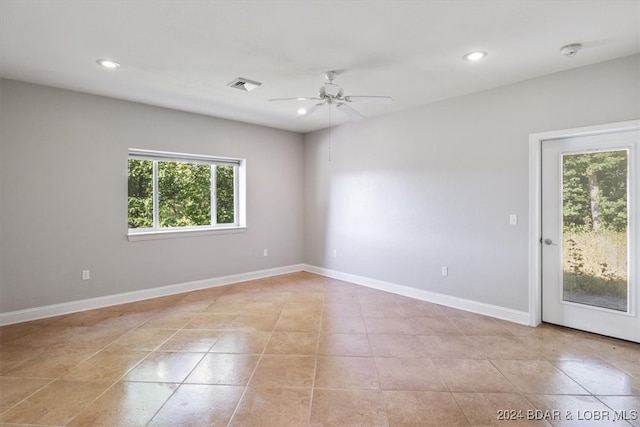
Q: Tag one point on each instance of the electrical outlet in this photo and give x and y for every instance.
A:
(444, 271)
(86, 274)
(265, 252)
(335, 253)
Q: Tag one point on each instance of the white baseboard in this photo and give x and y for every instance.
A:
(498, 312)
(36, 313)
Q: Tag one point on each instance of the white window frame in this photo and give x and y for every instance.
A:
(238, 226)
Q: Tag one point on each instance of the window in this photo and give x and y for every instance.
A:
(170, 194)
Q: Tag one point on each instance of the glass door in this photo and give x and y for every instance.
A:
(590, 236)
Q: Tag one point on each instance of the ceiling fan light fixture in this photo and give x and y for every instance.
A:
(108, 63)
(476, 55)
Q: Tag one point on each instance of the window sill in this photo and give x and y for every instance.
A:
(181, 233)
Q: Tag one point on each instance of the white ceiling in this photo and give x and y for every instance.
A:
(182, 54)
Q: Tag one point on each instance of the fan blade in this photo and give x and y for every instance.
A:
(311, 110)
(376, 99)
(296, 99)
(354, 114)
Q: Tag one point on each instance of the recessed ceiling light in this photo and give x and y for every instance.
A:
(301, 111)
(476, 55)
(108, 63)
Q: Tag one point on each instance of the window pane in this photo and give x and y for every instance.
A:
(184, 194)
(595, 227)
(140, 193)
(225, 203)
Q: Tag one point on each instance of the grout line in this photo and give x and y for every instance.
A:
(315, 366)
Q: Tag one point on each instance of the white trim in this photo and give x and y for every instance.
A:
(36, 313)
(498, 312)
(535, 193)
(174, 233)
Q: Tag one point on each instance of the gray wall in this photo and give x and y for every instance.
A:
(402, 195)
(64, 197)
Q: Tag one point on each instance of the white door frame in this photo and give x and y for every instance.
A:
(535, 202)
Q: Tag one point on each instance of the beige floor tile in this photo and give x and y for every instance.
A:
(503, 347)
(381, 310)
(538, 377)
(142, 339)
(44, 337)
(343, 325)
(293, 343)
(228, 307)
(468, 375)
(169, 320)
(126, 321)
(343, 309)
(300, 296)
(199, 405)
(409, 373)
(253, 323)
(211, 321)
(165, 367)
(396, 346)
(600, 377)
(357, 373)
(451, 346)
(631, 368)
(125, 404)
(56, 403)
(191, 340)
(390, 325)
(53, 363)
(434, 326)
(262, 308)
(305, 350)
(86, 318)
(344, 345)
(223, 369)
(624, 408)
(16, 389)
(480, 326)
(276, 371)
(416, 308)
(571, 410)
(94, 337)
(348, 408)
(309, 323)
(14, 356)
(303, 309)
(8, 334)
(273, 407)
(241, 342)
(497, 409)
(106, 366)
(423, 408)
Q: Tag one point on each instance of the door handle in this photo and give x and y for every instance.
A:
(549, 242)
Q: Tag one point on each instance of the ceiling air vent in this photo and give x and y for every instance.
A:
(244, 84)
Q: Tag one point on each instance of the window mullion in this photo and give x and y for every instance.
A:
(214, 195)
(236, 203)
(156, 209)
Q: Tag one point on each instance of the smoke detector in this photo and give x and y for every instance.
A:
(244, 84)
(570, 50)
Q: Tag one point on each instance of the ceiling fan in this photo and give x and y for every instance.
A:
(332, 94)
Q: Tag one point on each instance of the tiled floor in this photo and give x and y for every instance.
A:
(300, 349)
